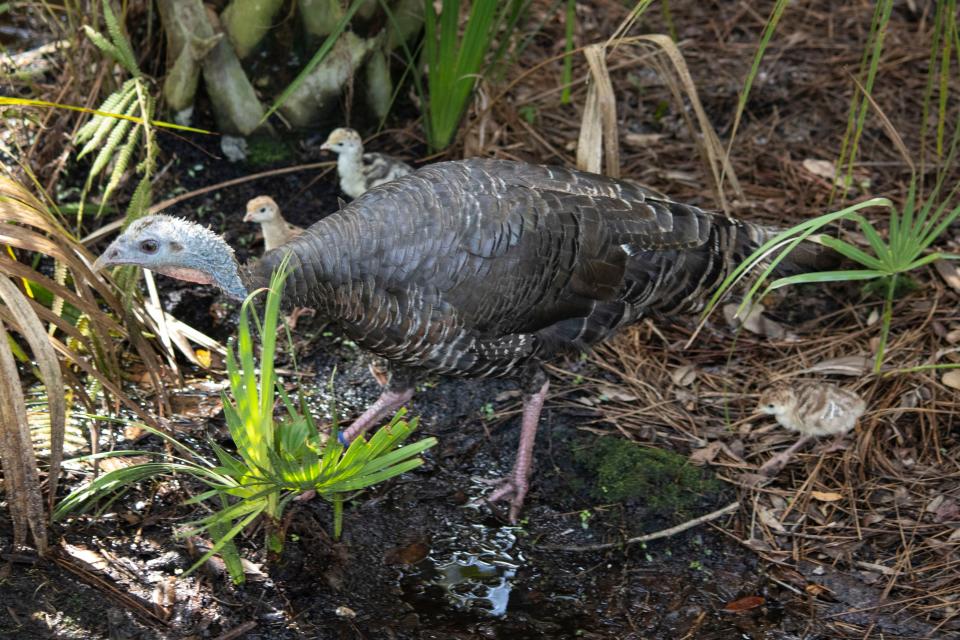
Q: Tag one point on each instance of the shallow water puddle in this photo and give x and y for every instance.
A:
(478, 577)
(471, 569)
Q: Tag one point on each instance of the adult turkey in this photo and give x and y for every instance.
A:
(478, 268)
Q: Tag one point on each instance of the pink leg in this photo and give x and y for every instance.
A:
(516, 486)
(388, 402)
(773, 465)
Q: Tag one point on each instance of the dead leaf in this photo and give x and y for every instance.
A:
(951, 378)
(768, 518)
(509, 394)
(90, 558)
(204, 358)
(845, 366)
(165, 597)
(122, 462)
(683, 376)
(707, 453)
(950, 273)
(641, 140)
(947, 511)
(754, 321)
(608, 393)
(744, 604)
(953, 336)
(196, 405)
(826, 496)
(815, 589)
(821, 168)
(407, 555)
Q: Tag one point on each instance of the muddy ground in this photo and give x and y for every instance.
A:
(422, 556)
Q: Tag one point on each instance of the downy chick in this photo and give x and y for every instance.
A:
(359, 171)
(812, 409)
(276, 230)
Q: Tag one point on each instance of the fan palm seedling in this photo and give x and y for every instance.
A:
(911, 232)
(274, 461)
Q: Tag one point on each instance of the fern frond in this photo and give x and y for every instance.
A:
(120, 42)
(106, 124)
(113, 102)
(102, 43)
(120, 166)
(116, 136)
(140, 200)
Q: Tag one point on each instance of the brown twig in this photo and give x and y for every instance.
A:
(663, 533)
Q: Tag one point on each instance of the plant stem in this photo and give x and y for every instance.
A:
(887, 319)
(337, 517)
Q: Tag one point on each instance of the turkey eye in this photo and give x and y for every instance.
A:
(263, 209)
(149, 246)
(770, 406)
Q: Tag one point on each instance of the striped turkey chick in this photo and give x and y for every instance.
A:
(276, 230)
(813, 410)
(359, 171)
(479, 268)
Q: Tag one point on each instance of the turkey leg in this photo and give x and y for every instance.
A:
(388, 402)
(516, 485)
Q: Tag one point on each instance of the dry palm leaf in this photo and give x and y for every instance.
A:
(70, 307)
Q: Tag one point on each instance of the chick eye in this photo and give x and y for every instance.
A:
(770, 406)
(149, 246)
(263, 209)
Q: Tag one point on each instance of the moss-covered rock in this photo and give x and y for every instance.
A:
(618, 470)
(263, 151)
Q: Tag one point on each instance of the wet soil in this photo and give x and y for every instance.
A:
(423, 556)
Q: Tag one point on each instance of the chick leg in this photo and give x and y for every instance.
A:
(773, 466)
(517, 484)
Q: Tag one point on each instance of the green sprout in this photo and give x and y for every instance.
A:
(274, 461)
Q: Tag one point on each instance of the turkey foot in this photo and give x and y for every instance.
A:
(388, 402)
(296, 314)
(517, 484)
(773, 466)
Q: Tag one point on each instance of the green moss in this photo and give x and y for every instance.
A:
(265, 151)
(663, 481)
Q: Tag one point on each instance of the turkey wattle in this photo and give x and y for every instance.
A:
(478, 268)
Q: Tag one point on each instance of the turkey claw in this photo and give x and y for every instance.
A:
(514, 492)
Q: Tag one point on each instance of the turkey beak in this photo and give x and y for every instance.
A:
(103, 261)
(326, 146)
(248, 216)
(110, 257)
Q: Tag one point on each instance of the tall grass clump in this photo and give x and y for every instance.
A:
(906, 242)
(274, 461)
(454, 61)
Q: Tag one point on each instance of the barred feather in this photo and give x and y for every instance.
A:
(481, 267)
